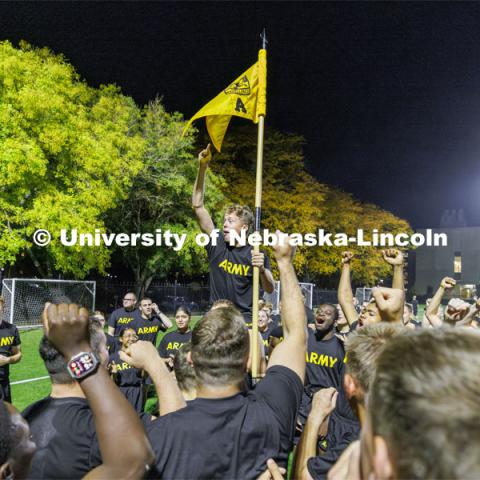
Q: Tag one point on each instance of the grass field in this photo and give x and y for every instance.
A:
(31, 366)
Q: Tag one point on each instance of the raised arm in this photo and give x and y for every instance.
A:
(291, 352)
(394, 257)
(472, 311)
(203, 217)
(431, 313)
(345, 294)
(66, 326)
(145, 356)
(323, 404)
(167, 323)
(390, 303)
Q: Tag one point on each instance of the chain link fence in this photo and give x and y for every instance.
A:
(169, 296)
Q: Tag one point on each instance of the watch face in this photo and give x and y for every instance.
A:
(82, 364)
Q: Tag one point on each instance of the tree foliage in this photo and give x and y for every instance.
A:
(160, 198)
(73, 156)
(294, 201)
(68, 153)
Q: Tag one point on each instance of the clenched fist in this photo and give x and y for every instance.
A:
(205, 156)
(448, 283)
(67, 327)
(390, 303)
(393, 256)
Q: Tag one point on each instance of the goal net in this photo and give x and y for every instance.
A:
(25, 298)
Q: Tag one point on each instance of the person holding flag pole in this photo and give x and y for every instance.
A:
(230, 273)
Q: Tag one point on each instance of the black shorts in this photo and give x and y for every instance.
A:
(5, 393)
(341, 432)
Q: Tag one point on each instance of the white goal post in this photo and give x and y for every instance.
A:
(25, 298)
(274, 297)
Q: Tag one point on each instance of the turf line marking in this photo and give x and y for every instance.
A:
(29, 380)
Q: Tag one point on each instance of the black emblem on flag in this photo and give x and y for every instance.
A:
(240, 87)
(239, 106)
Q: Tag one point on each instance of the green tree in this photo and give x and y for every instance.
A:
(160, 198)
(294, 201)
(68, 154)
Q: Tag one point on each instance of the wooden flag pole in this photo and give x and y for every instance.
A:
(256, 248)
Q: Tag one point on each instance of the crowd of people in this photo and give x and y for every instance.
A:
(350, 391)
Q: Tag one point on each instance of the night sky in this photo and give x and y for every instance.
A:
(387, 95)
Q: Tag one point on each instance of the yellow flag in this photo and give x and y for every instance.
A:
(245, 97)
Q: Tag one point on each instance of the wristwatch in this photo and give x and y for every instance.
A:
(82, 365)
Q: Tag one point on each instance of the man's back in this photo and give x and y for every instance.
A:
(229, 437)
(64, 432)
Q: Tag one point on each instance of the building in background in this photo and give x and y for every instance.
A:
(460, 259)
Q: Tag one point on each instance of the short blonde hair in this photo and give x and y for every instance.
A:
(243, 213)
(363, 347)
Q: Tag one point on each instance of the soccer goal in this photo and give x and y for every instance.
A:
(25, 298)
(363, 294)
(274, 297)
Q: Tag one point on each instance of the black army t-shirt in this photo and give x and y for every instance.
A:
(64, 432)
(326, 368)
(172, 341)
(277, 332)
(265, 336)
(120, 319)
(229, 437)
(147, 329)
(9, 337)
(126, 376)
(231, 274)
